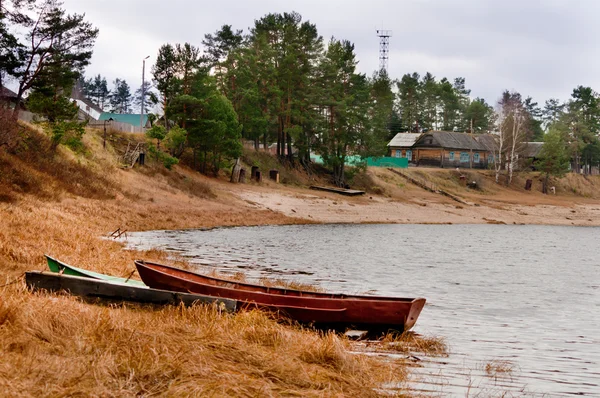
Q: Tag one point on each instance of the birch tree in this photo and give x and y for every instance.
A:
(499, 147)
(512, 128)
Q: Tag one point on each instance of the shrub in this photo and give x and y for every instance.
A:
(175, 141)
(167, 160)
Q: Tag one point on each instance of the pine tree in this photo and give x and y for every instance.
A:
(450, 106)
(462, 102)
(410, 102)
(586, 101)
(554, 159)
(480, 116)
(218, 48)
(120, 99)
(534, 121)
(552, 111)
(12, 52)
(54, 38)
(150, 98)
(164, 73)
(187, 63)
(430, 102)
(345, 127)
(382, 98)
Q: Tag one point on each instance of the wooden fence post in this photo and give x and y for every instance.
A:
(274, 175)
(235, 173)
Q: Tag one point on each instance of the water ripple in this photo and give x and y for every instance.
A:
(525, 294)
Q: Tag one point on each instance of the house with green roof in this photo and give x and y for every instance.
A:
(125, 118)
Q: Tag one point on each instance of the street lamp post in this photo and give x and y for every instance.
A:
(104, 137)
(143, 93)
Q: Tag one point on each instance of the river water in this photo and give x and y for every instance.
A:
(519, 306)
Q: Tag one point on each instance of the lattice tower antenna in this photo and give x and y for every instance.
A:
(384, 48)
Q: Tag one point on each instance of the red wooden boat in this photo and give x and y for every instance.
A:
(323, 310)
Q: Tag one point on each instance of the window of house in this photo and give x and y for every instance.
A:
(409, 155)
(476, 158)
(398, 153)
(464, 157)
(451, 156)
(490, 158)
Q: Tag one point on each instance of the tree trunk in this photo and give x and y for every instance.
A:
(510, 171)
(290, 156)
(165, 112)
(265, 148)
(15, 114)
(279, 136)
(235, 173)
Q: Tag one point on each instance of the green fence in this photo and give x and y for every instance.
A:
(401, 163)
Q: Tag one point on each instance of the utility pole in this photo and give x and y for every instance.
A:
(143, 93)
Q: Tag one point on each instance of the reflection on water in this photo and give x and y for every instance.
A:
(525, 294)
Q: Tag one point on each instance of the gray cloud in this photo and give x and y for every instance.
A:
(540, 48)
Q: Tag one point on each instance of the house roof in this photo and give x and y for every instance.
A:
(91, 105)
(532, 149)
(133, 119)
(489, 141)
(404, 139)
(451, 140)
(7, 93)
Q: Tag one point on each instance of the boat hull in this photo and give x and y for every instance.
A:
(324, 310)
(59, 267)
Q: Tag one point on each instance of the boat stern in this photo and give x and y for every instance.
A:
(413, 314)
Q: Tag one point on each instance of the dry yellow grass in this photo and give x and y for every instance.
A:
(58, 345)
(410, 342)
(499, 367)
(55, 345)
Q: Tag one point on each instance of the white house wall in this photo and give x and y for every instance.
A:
(94, 114)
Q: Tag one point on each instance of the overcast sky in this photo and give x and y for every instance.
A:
(541, 48)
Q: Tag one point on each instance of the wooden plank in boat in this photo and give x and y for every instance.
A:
(94, 288)
(341, 191)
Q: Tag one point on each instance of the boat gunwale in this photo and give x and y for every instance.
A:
(319, 296)
(92, 274)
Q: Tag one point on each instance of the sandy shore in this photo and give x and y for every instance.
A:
(425, 208)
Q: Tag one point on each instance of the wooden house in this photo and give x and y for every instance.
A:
(450, 149)
(9, 97)
(87, 109)
(527, 153)
(401, 146)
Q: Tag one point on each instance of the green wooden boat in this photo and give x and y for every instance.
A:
(62, 268)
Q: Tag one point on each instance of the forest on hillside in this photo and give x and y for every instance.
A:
(280, 82)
